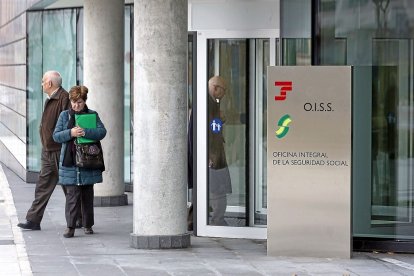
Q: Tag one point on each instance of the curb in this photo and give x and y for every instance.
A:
(10, 209)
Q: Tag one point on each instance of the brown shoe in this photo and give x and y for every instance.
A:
(88, 231)
(69, 232)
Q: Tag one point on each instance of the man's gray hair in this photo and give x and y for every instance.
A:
(56, 78)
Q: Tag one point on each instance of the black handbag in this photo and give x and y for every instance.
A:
(89, 156)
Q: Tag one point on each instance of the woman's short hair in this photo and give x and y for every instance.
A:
(78, 92)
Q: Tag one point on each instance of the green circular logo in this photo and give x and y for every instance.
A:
(283, 126)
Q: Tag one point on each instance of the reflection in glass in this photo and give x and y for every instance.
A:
(390, 134)
(79, 50)
(59, 40)
(219, 175)
(242, 64)
(376, 38)
(34, 93)
(228, 58)
(128, 88)
(296, 51)
(262, 60)
(51, 34)
(59, 33)
(191, 61)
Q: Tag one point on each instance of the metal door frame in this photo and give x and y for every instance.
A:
(203, 229)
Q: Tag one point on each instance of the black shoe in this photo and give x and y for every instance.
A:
(69, 232)
(88, 230)
(28, 225)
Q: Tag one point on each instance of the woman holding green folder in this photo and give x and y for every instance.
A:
(78, 181)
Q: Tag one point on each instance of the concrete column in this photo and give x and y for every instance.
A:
(104, 76)
(160, 124)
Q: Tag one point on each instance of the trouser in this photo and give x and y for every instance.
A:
(79, 197)
(190, 218)
(218, 203)
(48, 178)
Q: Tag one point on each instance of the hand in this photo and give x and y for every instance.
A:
(77, 132)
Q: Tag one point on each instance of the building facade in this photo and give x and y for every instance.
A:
(238, 40)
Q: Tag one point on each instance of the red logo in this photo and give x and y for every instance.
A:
(284, 87)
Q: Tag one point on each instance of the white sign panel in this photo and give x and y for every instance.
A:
(309, 161)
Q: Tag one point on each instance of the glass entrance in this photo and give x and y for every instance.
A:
(228, 131)
(381, 51)
(233, 201)
(385, 206)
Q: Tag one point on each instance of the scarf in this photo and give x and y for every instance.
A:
(69, 157)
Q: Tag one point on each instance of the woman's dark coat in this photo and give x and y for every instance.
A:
(74, 175)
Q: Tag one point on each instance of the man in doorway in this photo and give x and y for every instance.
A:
(57, 101)
(219, 176)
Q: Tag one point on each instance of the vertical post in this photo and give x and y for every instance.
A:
(104, 76)
(160, 124)
(316, 32)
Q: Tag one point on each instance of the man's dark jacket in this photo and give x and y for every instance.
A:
(53, 106)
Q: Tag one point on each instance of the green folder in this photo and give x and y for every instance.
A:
(87, 120)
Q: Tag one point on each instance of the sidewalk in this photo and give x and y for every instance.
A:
(108, 252)
(13, 256)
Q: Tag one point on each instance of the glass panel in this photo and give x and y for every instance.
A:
(59, 40)
(191, 86)
(228, 137)
(376, 37)
(390, 133)
(51, 34)
(296, 51)
(79, 52)
(128, 77)
(191, 59)
(332, 49)
(262, 60)
(34, 89)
